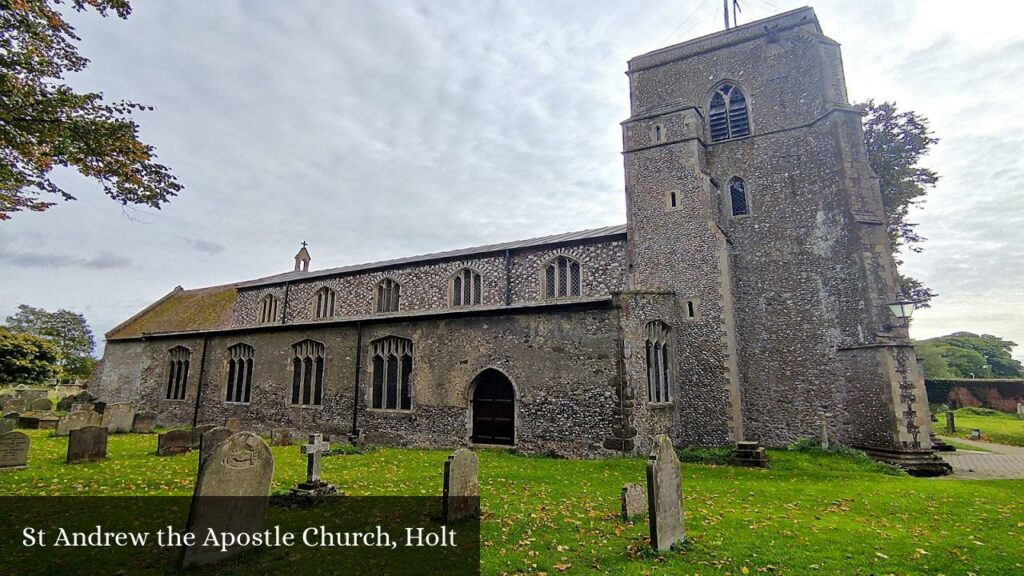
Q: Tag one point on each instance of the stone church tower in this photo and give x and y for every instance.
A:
(755, 223)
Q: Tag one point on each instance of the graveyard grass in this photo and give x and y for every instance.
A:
(997, 427)
(807, 514)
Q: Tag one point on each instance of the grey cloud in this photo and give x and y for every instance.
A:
(102, 261)
(206, 246)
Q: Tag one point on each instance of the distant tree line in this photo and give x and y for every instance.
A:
(37, 346)
(968, 355)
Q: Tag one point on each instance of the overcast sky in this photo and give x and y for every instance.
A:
(376, 130)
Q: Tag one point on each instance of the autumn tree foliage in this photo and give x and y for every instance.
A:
(45, 124)
(896, 141)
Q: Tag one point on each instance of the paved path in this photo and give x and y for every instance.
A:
(1000, 461)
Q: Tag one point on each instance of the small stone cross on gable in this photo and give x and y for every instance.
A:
(313, 450)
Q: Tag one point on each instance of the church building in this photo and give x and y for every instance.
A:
(747, 296)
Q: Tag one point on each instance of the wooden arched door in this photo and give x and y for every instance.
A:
(494, 409)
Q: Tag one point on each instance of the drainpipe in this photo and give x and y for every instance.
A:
(508, 277)
(359, 366)
(199, 388)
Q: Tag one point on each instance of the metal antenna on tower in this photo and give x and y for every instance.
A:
(736, 8)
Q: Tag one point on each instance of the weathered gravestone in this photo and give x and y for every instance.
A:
(174, 442)
(460, 496)
(634, 501)
(143, 423)
(87, 444)
(41, 405)
(6, 425)
(198, 431)
(118, 417)
(823, 435)
(951, 422)
(231, 496)
(75, 420)
(1020, 411)
(209, 441)
(65, 403)
(281, 437)
(664, 495)
(233, 424)
(12, 404)
(13, 450)
(314, 486)
(975, 434)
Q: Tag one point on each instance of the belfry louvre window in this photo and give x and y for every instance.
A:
(392, 365)
(659, 375)
(466, 286)
(268, 309)
(738, 197)
(728, 114)
(177, 372)
(562, 278)
(240, 358)
(324, 303)
(388, 294)
(307, 373)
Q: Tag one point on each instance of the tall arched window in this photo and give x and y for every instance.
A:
(240, 359)
(307, 373)
(659, 375)
(727, 114)
(268, 309)
(389, 293)
(323, 303)
(563, 278)
(392, 365)
(738, 197)
(177, 372)
(466, 287)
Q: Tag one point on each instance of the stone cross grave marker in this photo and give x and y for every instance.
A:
(313, 485)
(281, 437)
(14, 450)
(231, 496)
(174, 442)
(664, 495)
(461, 493)
(951, 422)
(233, 424)
(75, 420)
(118, 417)
(143, 423)
(87, 444)
(634, 501)
(198, 431)
(209, 441)
(41, 405)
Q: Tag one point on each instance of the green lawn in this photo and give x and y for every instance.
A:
(808, 514)
(998, 427)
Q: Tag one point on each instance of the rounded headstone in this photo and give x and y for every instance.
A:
(14, 450)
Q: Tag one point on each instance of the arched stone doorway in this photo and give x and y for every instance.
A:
(494, 409)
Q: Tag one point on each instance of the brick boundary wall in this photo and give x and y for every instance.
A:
(998, 394)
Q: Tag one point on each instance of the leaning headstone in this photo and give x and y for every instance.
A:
(198, 431)
(664, 495)
(75, 420)
(143, 423)
(975, 434)
(281, 437)
(209, 441)
(240, 468)
(87, 444)
(951, 422)
(174, 442)
(314, 486)
(634, 502)
(461, 493)
(6, 425)
(13, 450)
(41, 405)
(65, 403)
(118, 417)
(233, 424)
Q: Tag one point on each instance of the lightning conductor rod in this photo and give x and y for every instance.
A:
(725, 12)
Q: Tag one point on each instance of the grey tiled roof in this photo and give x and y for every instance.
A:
(568, 237)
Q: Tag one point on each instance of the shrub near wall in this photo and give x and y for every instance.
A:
(1002, 395)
